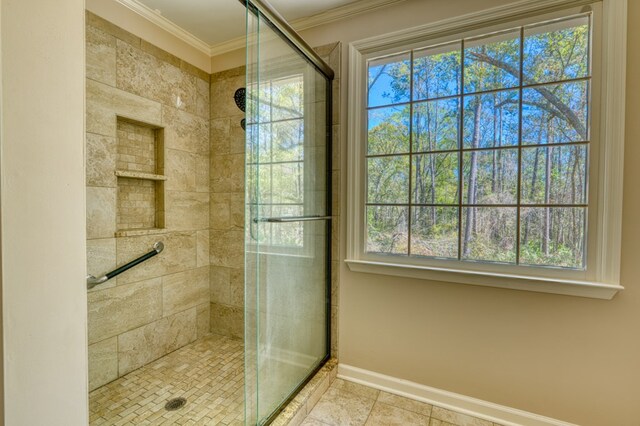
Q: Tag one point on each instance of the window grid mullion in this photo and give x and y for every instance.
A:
(460, 143)
(488, 148)
(519, 181)
(411, 83)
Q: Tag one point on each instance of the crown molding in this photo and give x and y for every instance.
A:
(323, 18)
(227, 46)
(342, 12)
(165, 24)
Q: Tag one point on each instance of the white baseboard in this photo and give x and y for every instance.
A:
(452, 401)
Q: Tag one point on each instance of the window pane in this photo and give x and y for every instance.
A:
(263, 185)
(554, 175)
(435, 125)
(287, 98)
(259, 145)
(555, 113)
(387, 229)
(492, 62)
(553, 236)
(491, 120)
(389, 80)
(436, 72)
(490, 177)
(288, 139)
(388, 179)
(435, 178)
(388, 130)
(489, 234)
(556, 51)
(434, 232)
(287, 182)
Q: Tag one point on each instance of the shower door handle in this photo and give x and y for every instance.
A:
(288, 219)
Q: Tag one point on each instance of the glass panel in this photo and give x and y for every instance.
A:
(491, 120)
(286, 267)
(554, 175)
(555, 113)
(288, 139)
(388, 179)
(435, 178)
(436, 72)
(435, 125)
(553, 236)
(286, 98)
(489, 234)
(388, 130)
(434, 232)
(492, 62)
(556, 51)
(490, 177)
(389, 80)
(287, 183)
(287, 234)
(387, 229)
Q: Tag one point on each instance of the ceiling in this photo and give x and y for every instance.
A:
(217, 21)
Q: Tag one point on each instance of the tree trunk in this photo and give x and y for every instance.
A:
(547, 192)
(473, 176)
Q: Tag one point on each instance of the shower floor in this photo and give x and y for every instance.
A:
(209, 373)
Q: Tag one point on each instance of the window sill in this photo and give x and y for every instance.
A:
(514, 282)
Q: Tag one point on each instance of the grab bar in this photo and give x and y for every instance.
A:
(290, 219)
(93, 281)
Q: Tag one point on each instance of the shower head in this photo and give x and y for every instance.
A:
(240, 98)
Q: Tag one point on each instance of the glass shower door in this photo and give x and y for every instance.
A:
(287, 220)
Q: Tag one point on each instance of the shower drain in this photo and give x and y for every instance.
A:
(175, 404)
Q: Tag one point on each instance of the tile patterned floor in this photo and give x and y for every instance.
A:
(347, 403)
(209, 373)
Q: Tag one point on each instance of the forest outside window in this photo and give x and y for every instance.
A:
(277, 163)
(491, 155)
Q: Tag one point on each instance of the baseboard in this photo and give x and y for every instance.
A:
(452, 401)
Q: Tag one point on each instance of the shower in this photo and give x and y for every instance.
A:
(228, 177)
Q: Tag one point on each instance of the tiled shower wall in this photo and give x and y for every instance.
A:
(162, 304)
(227, 205)
(227, 199)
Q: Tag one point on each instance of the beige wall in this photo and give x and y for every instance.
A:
(43, 213)
(163, 304)
(565, 357)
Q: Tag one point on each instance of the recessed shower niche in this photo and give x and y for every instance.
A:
(140, 172)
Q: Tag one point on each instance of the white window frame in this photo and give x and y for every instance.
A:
(602, 277)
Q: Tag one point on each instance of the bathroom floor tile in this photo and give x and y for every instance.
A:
(388, 415)
(349, 403)
(342, 408)
(209, 373)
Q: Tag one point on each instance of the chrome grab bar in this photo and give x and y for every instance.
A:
(288, 219)
(93, 281)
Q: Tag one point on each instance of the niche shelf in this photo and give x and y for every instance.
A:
(140, 172)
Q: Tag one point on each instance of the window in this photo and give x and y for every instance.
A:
(278, 161)
(480, 154)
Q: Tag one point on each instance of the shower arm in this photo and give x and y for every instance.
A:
(93, 281)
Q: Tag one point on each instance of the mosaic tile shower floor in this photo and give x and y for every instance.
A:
(209, 373)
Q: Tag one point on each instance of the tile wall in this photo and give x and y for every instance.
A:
(162, 304)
